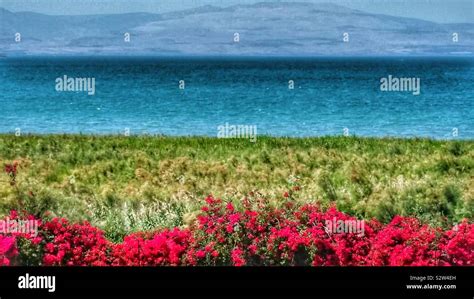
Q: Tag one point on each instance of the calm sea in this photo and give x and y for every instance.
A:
(329, 95)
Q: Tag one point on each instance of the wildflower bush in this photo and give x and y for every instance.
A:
(73, 244)
(254, 234)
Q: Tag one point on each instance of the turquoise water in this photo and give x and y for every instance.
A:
(329, 94)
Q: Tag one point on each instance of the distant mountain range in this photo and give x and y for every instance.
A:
(281, 29)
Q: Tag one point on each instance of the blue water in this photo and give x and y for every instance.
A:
(330, 94)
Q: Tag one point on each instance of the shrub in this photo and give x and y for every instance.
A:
(405, 242)
(74, 244)
(256, 234)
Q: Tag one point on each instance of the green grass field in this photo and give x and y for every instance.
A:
(125, 184)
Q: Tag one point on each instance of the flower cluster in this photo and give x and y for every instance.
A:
(20, 230)
(405, 242)
(160, 249)
(74, 244)
(8, 250)
(253, 234)
(268, 236)
(458, 245)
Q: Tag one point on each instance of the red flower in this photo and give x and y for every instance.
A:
(237, 257)
(201, 254)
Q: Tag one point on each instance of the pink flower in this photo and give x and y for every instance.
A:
(6, 244)
(8, 250)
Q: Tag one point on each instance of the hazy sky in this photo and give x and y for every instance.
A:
(443, 11)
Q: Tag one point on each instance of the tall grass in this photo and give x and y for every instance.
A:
(132, 183)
